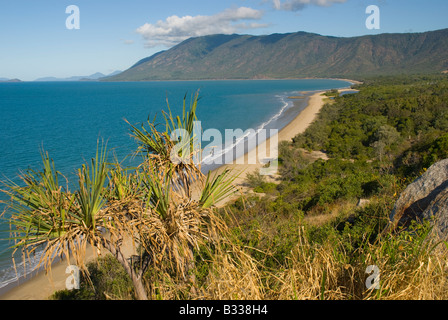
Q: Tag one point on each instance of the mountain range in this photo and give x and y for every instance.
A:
(92, 77)
(294, 55)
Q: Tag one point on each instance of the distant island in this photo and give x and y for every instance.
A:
(9, 80)
(294, 55)
(93, 77)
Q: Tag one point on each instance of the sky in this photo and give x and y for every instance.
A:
(40, 38)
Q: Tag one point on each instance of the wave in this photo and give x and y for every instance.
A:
(249, 134)
(22, 269)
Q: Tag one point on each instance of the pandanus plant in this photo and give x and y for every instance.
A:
(46, 216)
(174, 149)
(184, 219)
(152, 206)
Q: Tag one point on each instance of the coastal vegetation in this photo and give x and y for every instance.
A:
(312, 234)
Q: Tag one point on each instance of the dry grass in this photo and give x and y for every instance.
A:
(416, 271)
(314, 272)
(405, 272)
(234, 275)
(340, 209)
(411, 266)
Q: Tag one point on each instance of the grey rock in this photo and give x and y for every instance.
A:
(437, 212)
(425, 198)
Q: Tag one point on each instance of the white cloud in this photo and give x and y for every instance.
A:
(176, 29)
(296, 5)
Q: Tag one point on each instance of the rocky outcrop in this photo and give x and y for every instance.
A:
(425, 198)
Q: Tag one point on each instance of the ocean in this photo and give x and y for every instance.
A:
(67, 119)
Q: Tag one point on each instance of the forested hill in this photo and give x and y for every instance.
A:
(294, 55)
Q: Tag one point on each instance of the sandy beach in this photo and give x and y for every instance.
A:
(298, 125)
(40, 286)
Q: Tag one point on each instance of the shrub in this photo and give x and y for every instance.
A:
(107, 280)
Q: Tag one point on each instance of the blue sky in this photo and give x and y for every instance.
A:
(114, 34)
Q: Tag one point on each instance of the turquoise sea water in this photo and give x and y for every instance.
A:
(67, 119)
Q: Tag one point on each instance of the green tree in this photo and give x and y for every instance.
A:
(386, 137)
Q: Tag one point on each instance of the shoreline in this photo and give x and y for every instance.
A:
(353, 82)
(298, 125)
(39, 286)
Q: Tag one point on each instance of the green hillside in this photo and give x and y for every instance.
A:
(294, 55)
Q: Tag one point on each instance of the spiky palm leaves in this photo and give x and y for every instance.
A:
(175, 150)
(172, 173)
(151, 205)
(179, 224)
(45, 214)
(40, 209)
